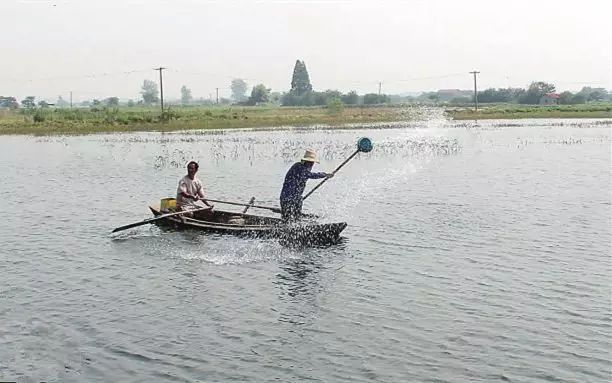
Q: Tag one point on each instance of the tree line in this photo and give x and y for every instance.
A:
(531, 95)
(536, 90)
(302, 93)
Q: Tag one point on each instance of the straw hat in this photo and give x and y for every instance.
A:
(310, 156)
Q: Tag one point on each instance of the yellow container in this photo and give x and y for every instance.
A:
(167, 204)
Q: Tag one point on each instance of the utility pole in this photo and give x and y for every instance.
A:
(70, 99)
(379, 87)
(217, 95)
(161, 88)
(475, 90)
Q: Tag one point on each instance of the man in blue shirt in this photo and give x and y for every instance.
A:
(294, 185)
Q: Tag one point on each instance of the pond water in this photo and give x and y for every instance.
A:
(473, 252)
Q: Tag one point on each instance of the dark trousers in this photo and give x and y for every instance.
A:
(291, 210)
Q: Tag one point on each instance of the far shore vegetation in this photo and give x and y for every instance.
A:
(125, 119)
(513, 111)
(300, 106)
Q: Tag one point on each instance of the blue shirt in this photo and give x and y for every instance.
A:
(295, 181)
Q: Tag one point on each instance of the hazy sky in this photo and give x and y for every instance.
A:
(99, 49)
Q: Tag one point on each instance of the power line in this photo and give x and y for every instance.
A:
(387, 81)
(91, 75)
(429, 77)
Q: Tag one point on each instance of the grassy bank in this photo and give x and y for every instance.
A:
(124, 119)
(129, 119)
(513, 111)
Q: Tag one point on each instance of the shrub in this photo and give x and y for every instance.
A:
(335, 105)
(39, 116)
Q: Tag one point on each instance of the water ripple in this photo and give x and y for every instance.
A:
(473, 252)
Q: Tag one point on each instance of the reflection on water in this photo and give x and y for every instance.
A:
(475, 251)
(296, 277)
(299, 284)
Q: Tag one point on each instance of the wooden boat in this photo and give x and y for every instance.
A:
(301, 233)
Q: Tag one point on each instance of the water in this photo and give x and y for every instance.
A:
(474, 252)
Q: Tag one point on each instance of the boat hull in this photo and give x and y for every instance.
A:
(302, 233)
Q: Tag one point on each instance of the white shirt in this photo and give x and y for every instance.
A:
(188, 186)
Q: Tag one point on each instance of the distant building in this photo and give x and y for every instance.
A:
(550, 99)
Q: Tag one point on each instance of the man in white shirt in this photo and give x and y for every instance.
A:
(190, 190)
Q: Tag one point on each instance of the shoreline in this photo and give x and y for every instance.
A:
(463, 116)
(133, 120)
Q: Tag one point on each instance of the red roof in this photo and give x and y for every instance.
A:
(552, 95)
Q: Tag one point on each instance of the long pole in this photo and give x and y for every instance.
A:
(379, 87)
(70, 99)
(161, 87)
(159, 217)
(475, 91)
(217, 95)
(274, 209)
(334, 172)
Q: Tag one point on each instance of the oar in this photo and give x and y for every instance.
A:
(251, 202)
(364, 145)
(274, 209)
(146, 221)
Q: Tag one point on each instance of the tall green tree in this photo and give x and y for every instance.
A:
(374, 98)
(112, 101)
(335, 105)
(351, 98)
(29, 102)
(593, 94)
(578, 99)
(289, 99)
(149, 92)
(186, 96)
(239, 88)
(259, 94)
(496, 95)
(300, 82)
(535, 92)
(275, 97)
(598, 94)
(565, 98)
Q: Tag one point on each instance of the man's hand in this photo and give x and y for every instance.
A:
(329, 175)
